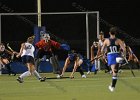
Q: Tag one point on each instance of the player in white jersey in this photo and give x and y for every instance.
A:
(27, 54)
(103, 58)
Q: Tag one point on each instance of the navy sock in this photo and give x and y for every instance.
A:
(114, 81)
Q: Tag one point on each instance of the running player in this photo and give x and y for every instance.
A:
(113, 45)
(27, 54)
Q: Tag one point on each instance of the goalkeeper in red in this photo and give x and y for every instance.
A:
(47, 47)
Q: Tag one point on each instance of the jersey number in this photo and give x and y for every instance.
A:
(113, 48)
(28, 47)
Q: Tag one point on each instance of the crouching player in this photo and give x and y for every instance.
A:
(78, 60)
(5, 58)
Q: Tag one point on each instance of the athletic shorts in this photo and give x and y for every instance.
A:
(27, 59)
(111, 58)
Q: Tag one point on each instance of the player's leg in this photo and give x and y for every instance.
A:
(74, 70)
(36, 74)
(25, 60)
(67, 62)
(55, 64)
(81, 72)
(8, 66)
(39, 55)
(77, 64)
(31, 68)
(107, 68)
(25, 74)
(114, 67)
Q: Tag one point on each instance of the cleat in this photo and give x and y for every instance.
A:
(58, 76)
(111, 88)
(88, 72)
(20, 80)
(61, 76)
(120, 71)
(84, 76)
(43, 79)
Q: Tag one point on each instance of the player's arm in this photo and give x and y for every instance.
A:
(132, 53)
(21, 50)
(55, 44)
(39, 44)
(92, 52)
(99, 49)
(122, 47)
(9, 52)
(103, 47)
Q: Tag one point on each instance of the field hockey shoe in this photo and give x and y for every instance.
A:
(43, 79)
(20, 80)
(88, 72)
(84, 76)
(58, 76)
(111, 88)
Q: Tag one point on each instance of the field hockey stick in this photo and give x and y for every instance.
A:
(9, 47)
(96, 57)
(129, 66)
(12, 57)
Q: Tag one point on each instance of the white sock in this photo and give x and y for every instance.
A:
(25, 74)
(36, 74)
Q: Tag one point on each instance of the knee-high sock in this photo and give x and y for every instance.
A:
(36, 74)
(114, 81)
(37, 63)
(80, 71)
(25, 74)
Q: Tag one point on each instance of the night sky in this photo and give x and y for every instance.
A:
(124, 14)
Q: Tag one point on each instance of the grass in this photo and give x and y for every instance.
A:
(94, 87)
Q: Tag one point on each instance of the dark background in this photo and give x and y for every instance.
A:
(121, 13)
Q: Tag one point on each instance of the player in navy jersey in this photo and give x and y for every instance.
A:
(113, 45)
(5, 58)
(93, 50)
(78, 60)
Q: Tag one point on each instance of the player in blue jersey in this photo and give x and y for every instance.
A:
(113, 45)
(78, 60)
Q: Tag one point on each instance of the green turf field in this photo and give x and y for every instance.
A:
(94, 87)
